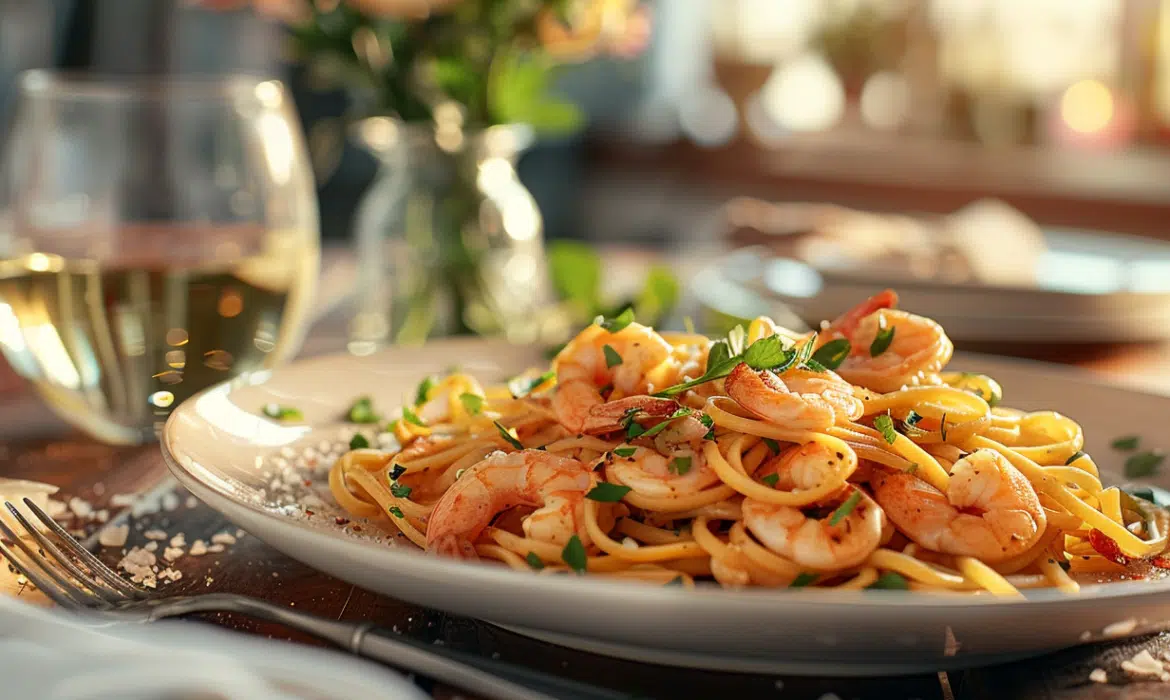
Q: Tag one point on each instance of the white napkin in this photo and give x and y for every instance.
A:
(46, 654)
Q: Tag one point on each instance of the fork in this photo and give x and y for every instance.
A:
(72, 577)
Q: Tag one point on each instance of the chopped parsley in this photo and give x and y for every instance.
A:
(720, 362)
(885, 425)
(913, 468)
(395, 511)
(803, 580)
(912, 418)
(833, 353)
(472, 403)
(625, 451)
(1129, 442)
(845, 508)
(506, 433)
(358, 442)
(612, 358)
(521, 387)
(771, 480)
(424, 390)
(680, 465)
(410, 416)
(400, 490)
(676, 581)
(534, 561)
(815, 366)
(1144, 463)
(773, 446)
(617, 323)
(1075, 456)
(362, 411)
(710, 423)
(679, 413)
(890, 581)
(766, 353)
(282, 412)
(634, 430)
(606, 492)
(397, 471)
(885, 336)
(574, 554)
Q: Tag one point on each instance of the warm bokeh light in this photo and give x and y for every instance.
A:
(805, 94)
(1087, 106)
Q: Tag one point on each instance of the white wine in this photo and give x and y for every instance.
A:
(114, 345)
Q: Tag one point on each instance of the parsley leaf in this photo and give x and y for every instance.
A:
(634, 430)
(617, 323)
(885, 425)
(815, 366)
(395, 511)
(358, 442)
(845, 508)
(612, 358)
(803, 580)
(719, 353)
(912, 418)
(737, 340)
(534, 561)
(396, 472)
(507, 435)
(472, 403)
(882, 340)
(890, 581)
(362, 411)
(710, 423)
(282, 412)
(606, 492)
(1075, 456)
(766, 353)
(680, 465)
(684, 411)
(1129, 442)
(574, 555)
(625, 451)
(521, 387)
(400, 490)
(833, 353)
(773, 446)
(1144, 463)
(720, 362)
(411, 417)
(424, 389)
(771, 480)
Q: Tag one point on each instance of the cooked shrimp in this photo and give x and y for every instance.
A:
(652, 474)
(990, 510)
(809, 540)
(583, 370)
(798, 399)
(917, 352)
(556, 486)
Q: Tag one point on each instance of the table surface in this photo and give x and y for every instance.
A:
(36, 446)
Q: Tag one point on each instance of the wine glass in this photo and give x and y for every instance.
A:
(158, 236)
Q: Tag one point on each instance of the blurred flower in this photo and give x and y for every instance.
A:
(298, 11)
(592, 27)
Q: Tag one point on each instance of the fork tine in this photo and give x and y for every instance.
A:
(61, 591)
(103, 591)
(87, 557)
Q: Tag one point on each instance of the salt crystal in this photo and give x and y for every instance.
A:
(311, 500)
(113, 535)
(155, 534)
(150, 546)
(1144, 664)
(216, 548)
(170, 575)
(150, 581)
(102, 515)
(1098, 675)
(178, 541)
(144, 507)
(80, 508)
(172, 553)
(137, 562)
(223, 538)
(1120, 629)
(121, 500)
(192, 501)
(198, 548)
(170, 501)
(1086, 636)
(629, 543)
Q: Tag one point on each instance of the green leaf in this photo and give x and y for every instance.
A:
(395, 511)
(1075, 456)
(803, 580)
(625, 451)
(574, 555)
(912, 418)
(1144, 463)
(521, 387)
(282, 412)
(890, 581)
(679, 413)
(518, 92)
(400, 490)
(719, 354)
(737, 339)
(771, 480)
(885, 425)
(619, 322)
(534, 561)
(575, 268)
(634, 430)
(1129, 442)
(410, 416)
(1153, 494)
(508, 435)
(396, 472)
(606, 492)
(845, 508)
(885, 336)
(766, 353)
(815, 366)
(358, 442)
(612, 358)
(555, 117)
(424, 389)
(680, 465)
(472, 403)
(710, 423)
(833, 353)
(362, 411)
(660, 292)
(773, 446)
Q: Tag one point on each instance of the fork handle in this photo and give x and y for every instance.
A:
(489, 678)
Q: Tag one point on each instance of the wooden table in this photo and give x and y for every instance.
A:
(44, 451)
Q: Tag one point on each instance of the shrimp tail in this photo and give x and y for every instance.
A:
(847, 322)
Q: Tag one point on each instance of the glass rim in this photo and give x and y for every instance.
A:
(64, 85)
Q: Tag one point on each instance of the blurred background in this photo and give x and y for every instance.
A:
(1005, 164)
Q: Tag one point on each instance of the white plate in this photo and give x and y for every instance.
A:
(221, 448)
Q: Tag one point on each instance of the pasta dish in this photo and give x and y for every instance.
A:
(843, 458)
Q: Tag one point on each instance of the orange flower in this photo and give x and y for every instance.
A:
(615, 27)
(297, 11)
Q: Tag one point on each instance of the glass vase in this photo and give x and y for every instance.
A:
(449, 240)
